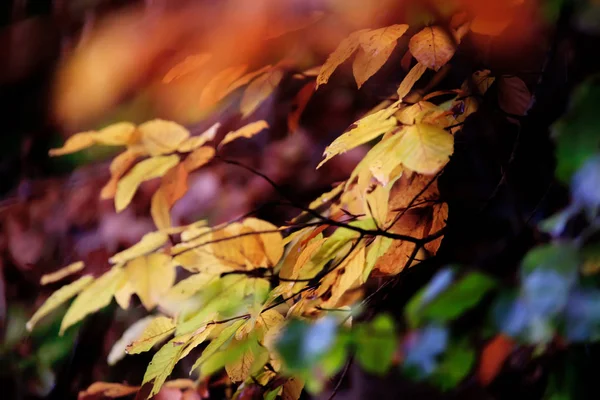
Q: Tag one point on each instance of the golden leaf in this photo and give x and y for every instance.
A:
(155, 331)
(338, 281)
(118, 134)
(247, 78)
(259, 90)
(94, 297)
(272, 241)
(376, 204)
(425, 148)
(62, 273)
(160, 210)
(219, 85)
(189, 65)
(149, 243)
(118, 350)
(174, 184)
(164, 361)
(341, 54)
(432, 47)
(162, 137)
(107, 389)
(58, 298)
(362, 131)
(415, 113)
(410, 79)
(78, 141)
(151, 277)
(150, 168)
(194, 142)
(118, 167)
(198, 158)
(246, 131)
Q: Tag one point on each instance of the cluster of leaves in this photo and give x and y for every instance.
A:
(265, 297)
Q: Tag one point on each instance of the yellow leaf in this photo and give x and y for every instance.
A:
(246, 131)
(156, 330)
(378, 248)
(93, 298)
(341, 54)
(376, 47)
(432, 47)
(376, 204)
(415, 113)
(425, 148)
(123, 294)
(337, 282)
(118, 167)
(118, 351)
(118, 134)
(272, 242)
(188, 287)
(410, 79)
(151, 277)
(219, 85)
(194, 142)
(77, 142)
(164, 361)
(189, 65)
(62, 273)
(362, 131)
(198, 158)
(150, 168)
(58, 298)
(292, 389)
(162, 137)
(240, 369)
(259, 90)
(199, 336)
(160, 210)
(107, 389)
(149, 243)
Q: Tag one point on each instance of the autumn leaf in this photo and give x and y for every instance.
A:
(300, 102)
(198, 158)
(189, 65)
(432, 47)
(195, 142)
(162, 137)
(410, 79)
(149, 243)
(376, 204)
(150, 168)
(58, 298)
(425, 148)
(246, 78)
(155, 331)
(94, 297)
(118, 350)
(493, 357)
(259, 90)
(362, 131)
(164, 361)
(107, 389)
(345, 49)
(150, 277)
(118, 134)
(118, 167)
(513, 95)
(246, 131)
(338, 281)
(174, 183)
(219, 86)
(62, 273)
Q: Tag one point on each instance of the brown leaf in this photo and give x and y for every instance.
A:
(107, 389)
(432, 47)
(513, 95)
(300, 102)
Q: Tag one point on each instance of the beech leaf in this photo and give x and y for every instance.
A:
(425, 148)
(432, 47)
(247, 131)
(162, 137)
(154, 331)
(259, 90)
(151, 277)
(62, 273)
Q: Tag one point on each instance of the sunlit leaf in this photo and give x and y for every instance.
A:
(162, 137)
(425, 148)
(195, 142)
(219, 86)
(94, 297)
(149, 243)
(259, 90)
(62, 273)
(341, 54)
(215, 345)
(376, 344)
(118, 351)
(246, 132)
(75, 143)
(410, 79)
(118, 167)
(198, 158)
(375, 250)
(432, 47)
(163, 362)
(150, 168)
(191, 64)
(151, 277)
(58, 298)
(154, 331)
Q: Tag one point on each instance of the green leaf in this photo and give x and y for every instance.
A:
(376, 344)
(58, 298)
(94, 297)
(215, 345)
(154, 332)
(454, 366)
(457, 299)
(164, 361)
(560, 257)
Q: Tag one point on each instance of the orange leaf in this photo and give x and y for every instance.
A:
(107, 389)
(493, 357)
(198, 158)
(300, 102)
(187, 66)
(432, 47)
(174, 184)
(259, 90)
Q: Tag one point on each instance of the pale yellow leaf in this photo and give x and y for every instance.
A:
(198, 338)
(198, 158)
(62, 273)
(432, 47)
(387, 167)
(246, 131)
(150, 168)
(337, 282)
(162, 137)
(194, 142)
(160, 210)
(191, 64)
(118, 351)
(259, 90)
(376, 203)
(425, 148)
(77, 142)
(151, 277)
(365, 65)
(341, 54)
(118, 134)
(149, 243)
(164, 361)
(123, 294)
(94, 297)
(107, 389)
(58, 298)
(375, 250)
(361, 132)
(410, 79)
(118, 167)
(154, 331)
(188, 287)
(415, 112)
